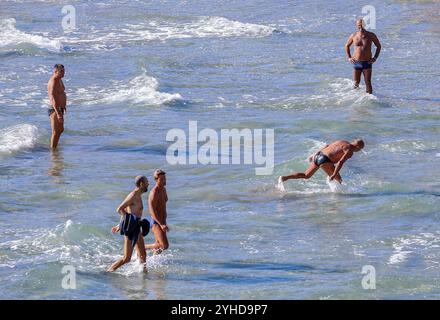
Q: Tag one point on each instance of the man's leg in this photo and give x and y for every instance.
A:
(356, 78)
(367, 77)
(329, 168)
(299, 175)
(128, 251)
(140, 249)
(57, 130)
(161, 240)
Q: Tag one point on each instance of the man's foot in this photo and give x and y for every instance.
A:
(280, 185)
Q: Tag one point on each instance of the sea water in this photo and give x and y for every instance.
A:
(137, 69)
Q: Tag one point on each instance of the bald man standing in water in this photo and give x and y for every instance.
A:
(362, 59)
(131, 225)
(332, 154)
(58, 101)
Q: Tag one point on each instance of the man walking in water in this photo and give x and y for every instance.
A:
(58, 100)
(362, 59)
(336, 153)
(157, 203)
(131, 225)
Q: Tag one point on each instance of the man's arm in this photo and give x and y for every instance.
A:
(376, 42)
(53, 102)
(347, 155)
(127, 202)
(64, 89)
(347, 48)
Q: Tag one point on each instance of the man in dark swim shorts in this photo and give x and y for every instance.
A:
(362, 58)
(131, 224)
(333, 154)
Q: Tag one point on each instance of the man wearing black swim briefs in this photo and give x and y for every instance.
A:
(131, 224)
(333, 154)
(362, 59)
(58, 101)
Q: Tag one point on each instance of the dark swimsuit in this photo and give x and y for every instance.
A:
(132, 226)
(52, 110)
(362, 65)
(321, 158)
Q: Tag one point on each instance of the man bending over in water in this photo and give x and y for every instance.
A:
(336, 153)
(131, 224)
(157, 203)
(58, 101)
(362, 59)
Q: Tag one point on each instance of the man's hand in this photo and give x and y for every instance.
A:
(60, 117)
(115, 229)
(372, 60)
(351, 60)
(164, 227)
(310, 158)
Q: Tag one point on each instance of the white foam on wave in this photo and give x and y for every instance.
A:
(10, 36)
(162, 30)
(142, 89)
(204, 27)
(336, 92)
(411, 147)
(420, 243)
(85, 247)
(17, 138)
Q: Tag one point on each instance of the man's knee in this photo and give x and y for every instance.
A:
(126, 259)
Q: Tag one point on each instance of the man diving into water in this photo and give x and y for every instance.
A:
(157, 203)
(131, 225)
(335, 153)
(58, 101)
(361, 59)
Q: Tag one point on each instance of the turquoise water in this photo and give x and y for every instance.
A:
(136, 69)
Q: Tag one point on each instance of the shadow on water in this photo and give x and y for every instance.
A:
(154, 150)
(57, 167)
(275, 267)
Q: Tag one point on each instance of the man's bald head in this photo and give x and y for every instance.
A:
(141, 182)
(358, 144)
(360, 24)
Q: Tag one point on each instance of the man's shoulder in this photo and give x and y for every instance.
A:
(371, 34)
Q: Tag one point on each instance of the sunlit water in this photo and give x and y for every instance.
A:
(136, 69)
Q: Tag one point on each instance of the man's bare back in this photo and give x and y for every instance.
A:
(336, 150)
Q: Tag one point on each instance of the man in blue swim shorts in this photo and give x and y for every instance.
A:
(362, 59)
